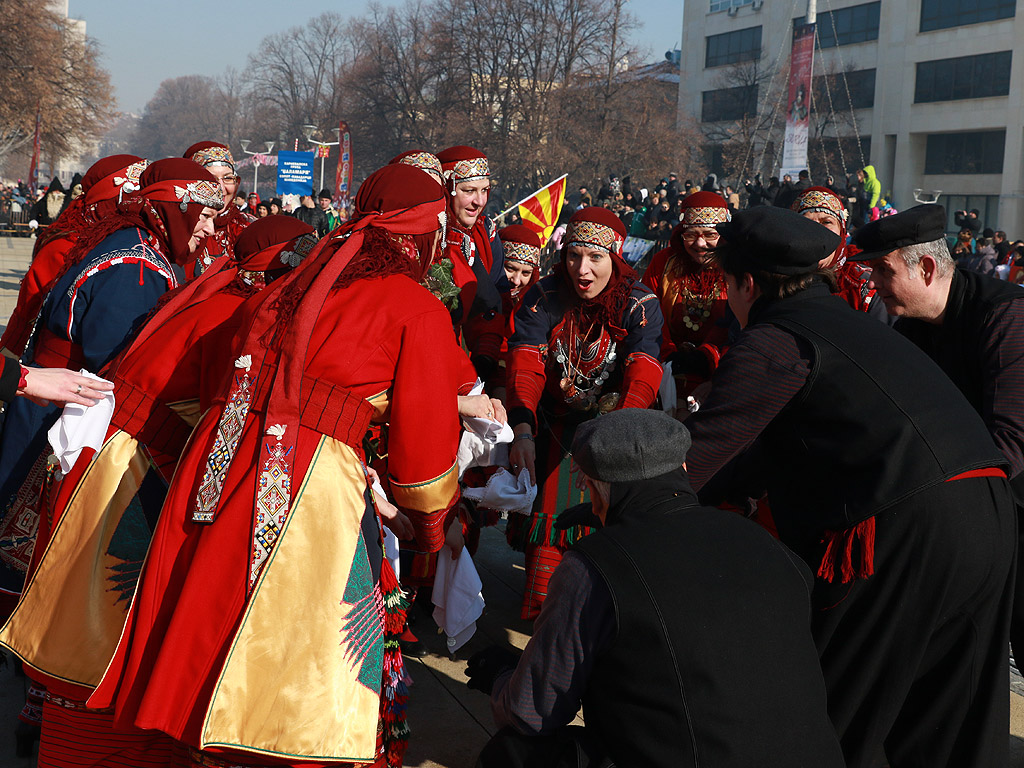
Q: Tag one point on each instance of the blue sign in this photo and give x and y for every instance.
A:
(295, 173)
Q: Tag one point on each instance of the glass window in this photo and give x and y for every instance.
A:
(728, 103)
(725, 5)
(733, 47)
(860, 84)
(965, 153)
(986, 205)
(846, 26)
(965, 77)
(943, 14)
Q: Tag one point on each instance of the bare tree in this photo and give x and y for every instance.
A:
(47, 65)
(184, 110)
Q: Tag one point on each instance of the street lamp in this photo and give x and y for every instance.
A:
(255, 165)
(309, 130)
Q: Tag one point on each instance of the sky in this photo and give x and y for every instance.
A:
(144, 42)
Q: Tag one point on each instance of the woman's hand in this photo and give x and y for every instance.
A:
(498, 411)
(475, 406)
(454, 538)
(59, 385)
(523, 452)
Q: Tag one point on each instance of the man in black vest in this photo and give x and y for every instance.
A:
(972, 325)
(884, 479)
(684, 630)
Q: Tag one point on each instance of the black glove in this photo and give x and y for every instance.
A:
(581, 514)
(691, 362)
(484, 667)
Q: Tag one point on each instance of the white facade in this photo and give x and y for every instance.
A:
(898, 128)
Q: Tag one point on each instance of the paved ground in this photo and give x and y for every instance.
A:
(450, 722)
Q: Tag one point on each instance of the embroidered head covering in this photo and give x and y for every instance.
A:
(596, 227)
(823, 200)
(425, 161)
(703, 209)
(461, 164)
(395, 201)
(208, 153)
(520, 244)
(113, 176)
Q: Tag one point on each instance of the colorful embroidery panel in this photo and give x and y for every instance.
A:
(820, 201)
(425, 162)
(202, 192)
(705, 217)
(273, 500)
(470, 170)
(229, 430)
(590, 234)
(521, 252)
(213, 156)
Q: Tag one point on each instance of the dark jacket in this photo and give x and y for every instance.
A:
(314, 217)
(712, 661)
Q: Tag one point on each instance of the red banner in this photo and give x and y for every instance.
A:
(33, 168)
(798, 109)
(343, 178)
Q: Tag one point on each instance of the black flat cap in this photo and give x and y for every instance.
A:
(920, 224)
(778, 240)
(630, 444)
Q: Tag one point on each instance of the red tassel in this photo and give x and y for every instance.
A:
(839, 547)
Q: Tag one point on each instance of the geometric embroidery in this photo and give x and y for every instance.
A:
(363, 628)
(706, 216)
(522, 252)
(469, 170)
(590, 234)
(273, 497)
(229, 430)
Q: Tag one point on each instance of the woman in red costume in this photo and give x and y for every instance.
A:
(257, 632)
(691, 290)
(586, 341)
(107, 180)
(73, 610)
(217, 159)
(824, 206)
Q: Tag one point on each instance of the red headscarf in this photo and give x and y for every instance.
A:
(595, 227)
(173, 195)
(397, 201)
(460, 164)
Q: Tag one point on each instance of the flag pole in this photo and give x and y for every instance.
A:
(500, 215)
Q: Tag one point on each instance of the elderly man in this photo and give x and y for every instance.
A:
(886, 482)
(970, 324)
(683, 629)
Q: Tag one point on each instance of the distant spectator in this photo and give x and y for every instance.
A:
(711, 183)
(585, 198)
(968, 219)
(733, 198)
(275, 206)
(324, 201)
(1002, 246)
(964, 245)
(308, 213)
(262, 210)
(672, 190)
(983, 260)
(872, 189)
(756, 193)
(790, 191)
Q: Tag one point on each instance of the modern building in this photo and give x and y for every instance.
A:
(933, 90)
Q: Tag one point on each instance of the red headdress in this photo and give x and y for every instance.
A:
(173, 195)
(208, 153)
(520, 244)
(462, 163)
(396, 202)
(595, 227)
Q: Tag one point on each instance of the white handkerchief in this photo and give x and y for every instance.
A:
(505, 492)
(80, 427)
(484, 442)
(458, 601)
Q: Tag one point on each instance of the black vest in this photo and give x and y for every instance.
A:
(956, 344)
(876, 422)
(712, 662)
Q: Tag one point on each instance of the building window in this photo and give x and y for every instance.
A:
(846, 26)
(986, 205)
(733, 47)
(943, 14)
(965, 153)
(965, 77)
(725, 5)
(860, 84)
(728, 103)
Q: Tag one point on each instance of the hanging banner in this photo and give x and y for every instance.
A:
(295, 173)
(343, 178)
(33, 168)
(798, 112)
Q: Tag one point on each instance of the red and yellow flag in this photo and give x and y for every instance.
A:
(540, 210)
